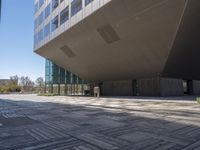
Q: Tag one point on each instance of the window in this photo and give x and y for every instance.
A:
(76, 6)
(40, 35)
(62, 75)
(40, 18)
(88, 2)
(47, 11)
(41, 2)
(47, 30)
(54, 4)
(74, 79)
(35, 39)
(64, 15)
(54, 24)
(35, 23)
(36, 7)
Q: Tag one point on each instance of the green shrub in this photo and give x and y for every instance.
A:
(4, 89)
(47, 94)
(198, 100)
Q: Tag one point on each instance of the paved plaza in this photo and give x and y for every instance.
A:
(86, 123)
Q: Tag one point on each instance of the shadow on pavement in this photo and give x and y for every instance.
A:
(51, 125)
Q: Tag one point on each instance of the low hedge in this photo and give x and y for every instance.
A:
(47, 94)
(198, 100)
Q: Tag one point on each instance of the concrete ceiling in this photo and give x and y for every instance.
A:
(184, 59)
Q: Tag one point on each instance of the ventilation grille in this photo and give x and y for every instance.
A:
(108, 33)
(66, 50)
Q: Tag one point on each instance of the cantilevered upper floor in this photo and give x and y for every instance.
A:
(52, 17)
(125, 39)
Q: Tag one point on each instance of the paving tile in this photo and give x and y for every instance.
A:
(30, 122)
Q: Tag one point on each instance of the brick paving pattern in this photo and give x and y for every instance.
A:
(31, 122)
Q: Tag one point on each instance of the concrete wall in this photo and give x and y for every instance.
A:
(196, 87)
(161, 87)
(117, 88)
(149, 87)
(146, 87)
(171, 87)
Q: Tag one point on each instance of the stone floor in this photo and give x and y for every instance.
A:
(85, 123)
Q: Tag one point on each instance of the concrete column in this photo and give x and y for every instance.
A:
(58, 88)
(51, 88)
(196, 87)
(171, 87)
(65, 90)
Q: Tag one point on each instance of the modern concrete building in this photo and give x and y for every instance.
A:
(127, 47)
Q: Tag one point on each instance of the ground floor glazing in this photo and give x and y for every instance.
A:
(62, 82)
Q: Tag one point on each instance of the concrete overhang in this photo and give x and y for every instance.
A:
(125, 39)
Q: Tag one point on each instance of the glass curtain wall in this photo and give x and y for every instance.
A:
(62, 82)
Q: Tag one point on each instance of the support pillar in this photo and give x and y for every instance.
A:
(196, 87)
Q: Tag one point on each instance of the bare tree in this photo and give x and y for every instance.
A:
(14, 79)
(39, 84)
(39, 81)
(26, 83)
(13, 85)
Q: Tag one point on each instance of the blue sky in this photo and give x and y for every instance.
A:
(16, 41)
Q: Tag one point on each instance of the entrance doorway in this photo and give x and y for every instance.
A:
(188, 87)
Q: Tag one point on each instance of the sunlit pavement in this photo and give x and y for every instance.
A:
(84, 123)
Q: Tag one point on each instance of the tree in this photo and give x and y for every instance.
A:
(39, 85)
(26, 84)
(14, 79)
(13, 85)
(39, 82)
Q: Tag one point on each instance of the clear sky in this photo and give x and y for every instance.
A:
(16, 41)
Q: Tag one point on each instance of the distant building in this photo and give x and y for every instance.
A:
(5, 82)
(127, 47)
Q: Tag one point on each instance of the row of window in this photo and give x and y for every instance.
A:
(53, 25)
(38, 5)
(60, 19)
(55, 74)
(76, 6)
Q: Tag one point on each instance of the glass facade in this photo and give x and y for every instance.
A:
(47, 11)
(55, 4)
(76, 6)
(47, 30)
(62, 82)
(54, 24)
(36, 7)
(40, 36)
(88, 2)
(41, 2)
(40, 18)
(62, 17)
